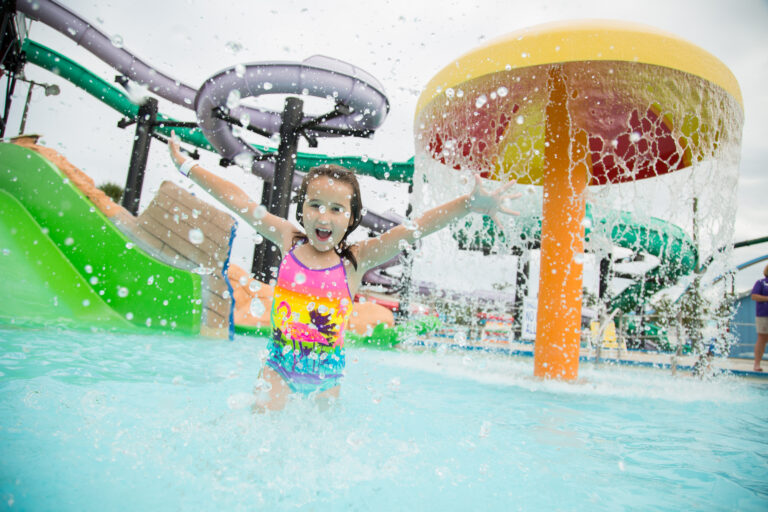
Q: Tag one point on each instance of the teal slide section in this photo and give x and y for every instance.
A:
(675, 249)
(64, 263)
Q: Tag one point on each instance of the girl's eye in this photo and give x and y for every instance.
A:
(338, 209)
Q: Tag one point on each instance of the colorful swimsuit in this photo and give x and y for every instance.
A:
(309, 314)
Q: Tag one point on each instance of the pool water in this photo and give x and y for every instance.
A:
(94, 421)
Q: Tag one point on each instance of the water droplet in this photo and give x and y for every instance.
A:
(240, 401)
(519, 119)
(502, 91)
(354, 440)
(170, 279)
(122, 291)
(254, 285)
(129, 245)
(129, 316)
(233, 47)
(322, 209)
(233, 99)
(150, 280)
(481, 100)
(449, 92)
(244, 160)
(257, 239)
(117, 41)
(196, 236)
(259, 212)
(459, 93)
(93, 280)
(586, 223)
(267, 86)
(578, 258)
(257, 307)
(69, 241)
(634, 137)
(240, 70)
(148, 323)
(88, 269)
(300, 278)
(86, 303)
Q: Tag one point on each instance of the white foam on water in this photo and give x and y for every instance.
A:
(608, 381)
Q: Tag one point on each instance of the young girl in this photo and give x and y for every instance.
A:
(320, 272)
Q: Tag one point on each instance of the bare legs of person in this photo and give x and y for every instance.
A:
(279, 392)
(762, 340)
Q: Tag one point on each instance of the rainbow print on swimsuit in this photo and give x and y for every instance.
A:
(309, 314)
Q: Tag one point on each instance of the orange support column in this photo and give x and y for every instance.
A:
(558, 322)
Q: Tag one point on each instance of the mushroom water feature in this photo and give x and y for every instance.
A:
(571, 105)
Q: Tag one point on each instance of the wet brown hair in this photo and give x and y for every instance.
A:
(343, 175)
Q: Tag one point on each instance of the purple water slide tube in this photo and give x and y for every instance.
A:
(317, 76)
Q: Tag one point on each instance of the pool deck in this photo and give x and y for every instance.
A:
(608, 356)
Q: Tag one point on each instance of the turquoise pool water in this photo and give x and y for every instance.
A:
(117, 422)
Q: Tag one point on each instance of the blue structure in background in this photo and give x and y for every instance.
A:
(743, 327)
(743, 322)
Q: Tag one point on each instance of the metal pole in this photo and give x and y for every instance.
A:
(280, 193)
(10, 87)
(522, 272)
(26, 108)
(261, 249)
(146, 120)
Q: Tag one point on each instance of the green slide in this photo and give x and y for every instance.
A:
(64, 263)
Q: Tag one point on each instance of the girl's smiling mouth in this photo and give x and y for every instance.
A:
(323, 235)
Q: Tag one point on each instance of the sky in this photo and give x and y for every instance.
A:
(402, 43)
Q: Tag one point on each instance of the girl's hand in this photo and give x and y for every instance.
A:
(182, 164)
(175, 149)
(490, 203)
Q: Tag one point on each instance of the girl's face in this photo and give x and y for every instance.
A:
(326, 212)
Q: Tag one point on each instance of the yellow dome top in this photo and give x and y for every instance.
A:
(576, 41)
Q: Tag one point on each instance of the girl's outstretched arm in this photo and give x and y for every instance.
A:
(375, 251)
(275, 229)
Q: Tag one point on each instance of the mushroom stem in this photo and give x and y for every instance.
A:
(558, 322)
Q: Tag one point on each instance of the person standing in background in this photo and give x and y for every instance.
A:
(760, 296)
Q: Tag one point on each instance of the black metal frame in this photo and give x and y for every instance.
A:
(12, 59)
